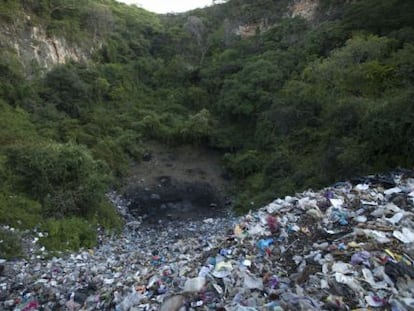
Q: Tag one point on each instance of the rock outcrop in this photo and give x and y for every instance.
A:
(36, 50)
(304, 8)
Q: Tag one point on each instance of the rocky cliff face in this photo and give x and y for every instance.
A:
(38, 51)
(304, 8)
(307, 9)
(250, 30)
(35, 49)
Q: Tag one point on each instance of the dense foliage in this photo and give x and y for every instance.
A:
(298, 104)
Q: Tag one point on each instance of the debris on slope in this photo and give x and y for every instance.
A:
(349, 246)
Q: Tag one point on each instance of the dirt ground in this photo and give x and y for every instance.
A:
(183, 180)
(184, 163)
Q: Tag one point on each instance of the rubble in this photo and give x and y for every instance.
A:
(346, 247)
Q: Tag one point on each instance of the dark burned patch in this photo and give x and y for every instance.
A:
(171, 199)
(177, 183)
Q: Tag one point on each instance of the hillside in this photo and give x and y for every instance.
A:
(292, 93)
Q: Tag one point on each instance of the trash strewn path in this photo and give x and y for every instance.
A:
(346, 247)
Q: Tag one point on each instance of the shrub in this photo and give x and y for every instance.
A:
(244, 163)
(63, 177)
(68, 234)
(19, 211)
(10, 246)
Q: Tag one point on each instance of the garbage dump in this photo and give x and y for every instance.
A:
(349, 246)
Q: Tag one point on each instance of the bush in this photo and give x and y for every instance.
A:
(19, 211)
(107, 217)
(199, 127)
(15, 125)
(10, 246)
(68, 234)
(10, 11)
(244, 163)
(63, 177)
(112, 154)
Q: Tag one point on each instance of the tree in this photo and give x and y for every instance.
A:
(358, 68)
(99, 20)
(199, 126)
(197, 30)
(57, 8)
(379, 16)
(66, 91)
(15, 125)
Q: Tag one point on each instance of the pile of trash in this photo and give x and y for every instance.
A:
(346, 247)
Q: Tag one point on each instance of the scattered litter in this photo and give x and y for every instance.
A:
(341, 248)
(405, 235)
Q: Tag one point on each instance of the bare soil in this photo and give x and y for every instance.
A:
(178, 182)
(184, 163)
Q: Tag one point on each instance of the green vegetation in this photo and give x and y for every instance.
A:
(299, 104)
(10, 246)
(69, 233)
